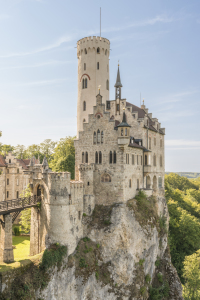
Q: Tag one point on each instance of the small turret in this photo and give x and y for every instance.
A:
(118, 86)
(124, 131)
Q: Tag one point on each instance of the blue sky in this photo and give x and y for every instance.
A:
(157, 43)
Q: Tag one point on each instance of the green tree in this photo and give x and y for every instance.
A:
(64, 156)
(34, 150)
(5, 148)
(20, 151)
(25, 218)
(191, 274)
(47, 148)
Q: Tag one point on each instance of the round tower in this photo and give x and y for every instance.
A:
(93, 71)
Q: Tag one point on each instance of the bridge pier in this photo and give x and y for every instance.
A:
(35, 232)
(6, 249)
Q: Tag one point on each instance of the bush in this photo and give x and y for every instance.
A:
(16, 231)
(53, 256)
(160, 277)
(141, 261)
(86, 239)
(82, 263)
(148, 278)
(157, 263)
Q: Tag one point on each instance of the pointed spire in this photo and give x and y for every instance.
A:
(124, 123)
(118, 80)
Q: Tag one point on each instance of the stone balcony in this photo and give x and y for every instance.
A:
(147, 169)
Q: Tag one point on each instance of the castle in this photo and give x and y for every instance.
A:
(119, 150)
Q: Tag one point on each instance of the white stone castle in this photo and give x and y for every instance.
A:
(120, 147)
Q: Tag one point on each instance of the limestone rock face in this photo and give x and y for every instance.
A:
(122, 258)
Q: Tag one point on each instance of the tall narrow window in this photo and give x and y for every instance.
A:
(7, 194)
(98, 137)
(141, 160)
(125, 131)
(98, 50)
(96, 157)
(84, 105)
(110, 158)
(98, 66)
(160, 160)
(17, 194)
(127, 159)
(95, 137)
(133, 159)
(106, 52)
(85, 51)
(115, 157)
(9, 161)
(100, 157)
(85, 83)
(154, 141)
(130, 183)
(107, 84)
(86, 157)
(7, 181)
(149, 143)
(117, 107)
(17, 181)
(102, 137)
(108, 104)
(17, 170)
(154, 160)
(137, 160)
(160, 182)
(145, 160)
(138, 184)
(160, 143)
(82, 157)
(122, 132)
(7, 170)
(84, 66)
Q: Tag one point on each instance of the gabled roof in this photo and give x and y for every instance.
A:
(2, 161)
(26, 162)
(141, 112)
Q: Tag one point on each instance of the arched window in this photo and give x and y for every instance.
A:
(100, 157)
(102, 137)
(98, 137)
(85, 83)
(98, 66)
(96, 157)
(107, 84)
(105, 178)
(85, 51)
(110, 157)
(86, 157)
(125, 131)
(98, 50)
(82, 157)
(161, 160)
(95, 138)
(115, 157)
(106, 52)
(84, 105)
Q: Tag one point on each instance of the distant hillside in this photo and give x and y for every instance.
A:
(186, 174)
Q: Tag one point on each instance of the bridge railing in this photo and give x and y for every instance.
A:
(19, 203)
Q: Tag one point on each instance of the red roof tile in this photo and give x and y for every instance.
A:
(2, 161)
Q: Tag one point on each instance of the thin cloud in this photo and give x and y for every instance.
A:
(153, 21)
(54, 45)
(38, 65)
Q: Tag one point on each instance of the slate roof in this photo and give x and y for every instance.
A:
(2, 161)
(141, 112)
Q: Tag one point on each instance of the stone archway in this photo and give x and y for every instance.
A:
(38, 218)
(154, 182)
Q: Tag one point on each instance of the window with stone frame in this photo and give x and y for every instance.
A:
(141, 160)
(102, 137)
(86, 157)
(98, 50)
(83, 155)
(85, 51)
(138, 184)
(161, 162)
(97, 65)
(84, 105)
(107, 104)
(110, 157)
(100, 157)
(94, 137)
(7, 181)
(114, 157)
(145, 160)
(96, 157)
(160, 182)
(133, 159)
(83, 83)
(130, 183)
(7, 194)
(137, 159)
(84, 66)
(160, 143)
(127, 158)
(149, 143)
(105, 178)
(17, 195)
(98, 137)
(154, 160)
(154, 141)
(107, 84)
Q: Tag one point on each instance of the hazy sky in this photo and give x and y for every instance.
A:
(157, 43)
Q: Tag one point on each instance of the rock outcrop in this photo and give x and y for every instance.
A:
(124, 255)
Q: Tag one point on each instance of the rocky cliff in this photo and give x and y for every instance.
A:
(124, 255)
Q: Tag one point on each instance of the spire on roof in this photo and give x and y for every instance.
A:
(118, 80)
(124, 122)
